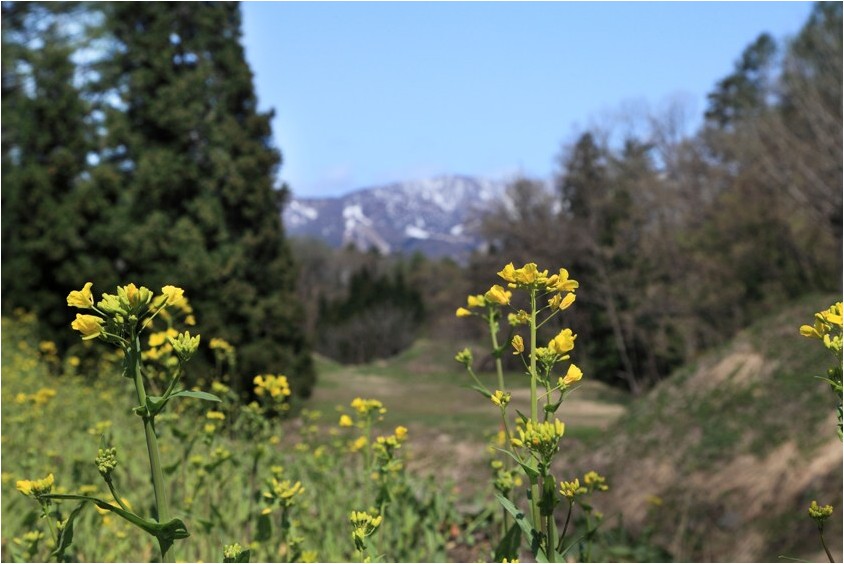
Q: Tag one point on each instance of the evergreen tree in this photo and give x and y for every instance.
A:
(198, 206)
(45, 144)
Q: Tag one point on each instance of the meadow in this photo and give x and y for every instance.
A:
(421, 473)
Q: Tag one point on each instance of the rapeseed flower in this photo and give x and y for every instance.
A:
(518, 344)
(36, 488)
(82, 299)
(572, 489)
(498, 295)
(820, 513)
(562, 343)
(463, 312)
(595, 481)
(573, 374)
(500, 398)
(90, 326)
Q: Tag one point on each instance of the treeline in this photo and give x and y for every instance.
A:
(680, 241)
(133, 150)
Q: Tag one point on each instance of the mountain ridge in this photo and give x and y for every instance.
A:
(437, 216)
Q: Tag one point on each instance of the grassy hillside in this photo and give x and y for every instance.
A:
(723, 459)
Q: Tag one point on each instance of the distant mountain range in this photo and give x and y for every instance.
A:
(437, 216)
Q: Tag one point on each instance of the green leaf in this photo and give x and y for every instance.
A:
(524, 417)
(196, 395)
(530, 533)
(527, 466)
(66, 534)
(244, 556)
(484, 391)
(166, 533)
(265, 528)
(509, 546)
(549, 498)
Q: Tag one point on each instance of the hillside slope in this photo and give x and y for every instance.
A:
(723, 459)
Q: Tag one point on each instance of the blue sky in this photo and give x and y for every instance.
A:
(367, 93)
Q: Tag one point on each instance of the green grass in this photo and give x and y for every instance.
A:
(426, 389)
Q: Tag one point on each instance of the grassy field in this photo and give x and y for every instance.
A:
(430, 391)
(718, 462)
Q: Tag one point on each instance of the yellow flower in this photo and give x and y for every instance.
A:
(595, 481)
(401, 432)
(134, 297)
(508, 273)
(90, 326)
(83, 299)
(500, 398)
(276, 386)
(563, 342)
(358, 444)
(475, 301)
(567, 301)
(573, 374)
(572, 489)
(518, 344)
(364, 407)
(818, 513)
(463, 312)
(562, 283)
(498, 295)
(345, 421)
(219, 415)
(520, 318)
(172, 294)
(833, 315)
(812, 332)
(36, 487)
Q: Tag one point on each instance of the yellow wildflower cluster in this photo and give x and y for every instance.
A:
(572, 489)
(363, 525)
(276, 387)
(282, 492)
(595, 481)
(529, 276)
(221, 345)
(541, 438)
(820, 513)
(39, 398)
(495, 296)
(828, 328)
(499, 398)
(385, 450)
(159, 345)
(129, 304)
(36, 488)
(825, 323)
(368, 407)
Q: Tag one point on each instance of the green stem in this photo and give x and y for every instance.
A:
(549, 537)
(499, 369)
(152, 443)
(823, 543)
(115, 495)
(534, 409)
(565, 528)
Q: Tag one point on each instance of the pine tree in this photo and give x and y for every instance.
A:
(45, 144)
(199, 208)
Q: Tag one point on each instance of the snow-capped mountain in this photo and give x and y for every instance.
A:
(436, 216)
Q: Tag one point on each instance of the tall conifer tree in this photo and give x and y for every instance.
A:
(199, 207)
